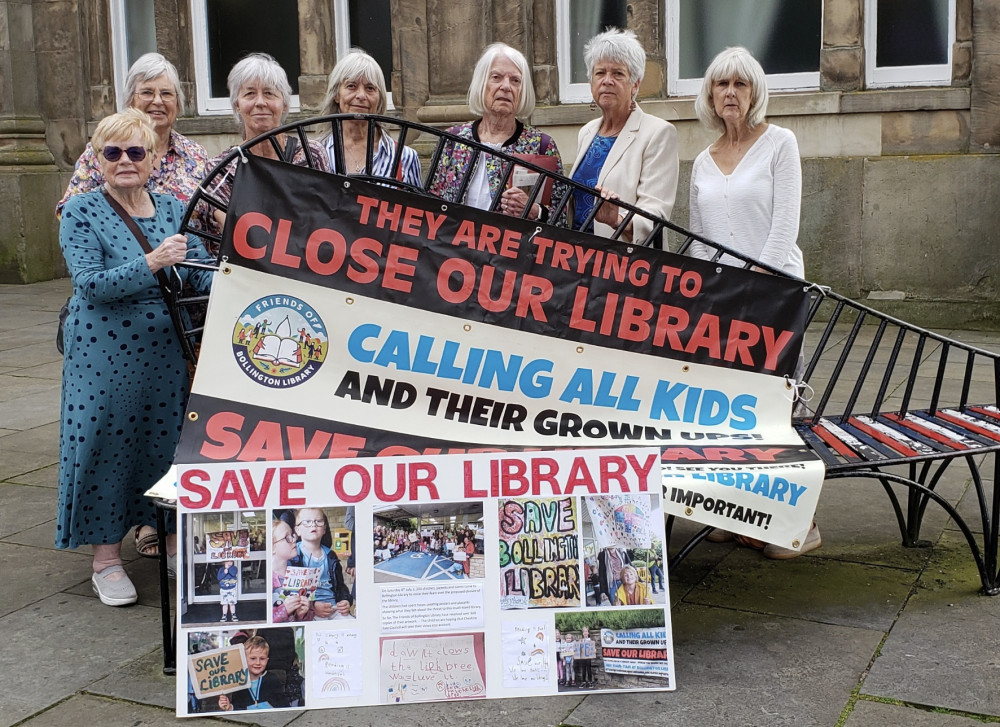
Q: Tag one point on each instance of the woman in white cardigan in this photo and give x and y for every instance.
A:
(746, 187)
(626, 154)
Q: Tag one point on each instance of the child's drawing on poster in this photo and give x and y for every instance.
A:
(433, 668)
(539, 553)
(621, 520)
(526, 654)
(336, 663)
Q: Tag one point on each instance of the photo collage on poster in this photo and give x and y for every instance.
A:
(456, 598)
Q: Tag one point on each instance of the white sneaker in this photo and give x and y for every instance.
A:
(116, 591)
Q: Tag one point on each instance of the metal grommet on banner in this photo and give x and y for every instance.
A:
(688, 511)
(795, 543)
(349, 300)
(685, 368)
(467, 327)
(193, 416)
(444, 208)
(243, 156)
(629, 249)
(579, 349)
(347, 184)
(718, 269)
(226, 270)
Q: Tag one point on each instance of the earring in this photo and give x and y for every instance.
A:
(593, 105)
(631, 106)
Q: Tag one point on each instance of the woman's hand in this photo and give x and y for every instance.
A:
(172, 250)
(513, 202)
(610, 214)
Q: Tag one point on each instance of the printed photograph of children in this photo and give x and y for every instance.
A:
(613, 650)
(232, 671)
(312, 564)
(223, 567)
(429, 542)
(623, 551)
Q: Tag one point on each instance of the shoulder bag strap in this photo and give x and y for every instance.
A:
(161, 277)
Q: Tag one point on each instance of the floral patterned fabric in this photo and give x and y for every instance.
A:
(455, 159)
(178, 174)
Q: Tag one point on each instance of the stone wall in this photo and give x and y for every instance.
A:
(900, 185)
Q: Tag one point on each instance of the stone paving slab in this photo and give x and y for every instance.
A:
(808, 587)
(29, 388)
(30, 411)
(944, 650)
(31, 575)
(43, 439)
(23, 507)
(72, 641)
(539, 712)
(47, 476)
(91, 710)
(22, 463)
(738, 668)
(877, 714)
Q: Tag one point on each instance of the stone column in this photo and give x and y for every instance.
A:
(317, 51)
(985, 117)
(841, 58)
(30, 183)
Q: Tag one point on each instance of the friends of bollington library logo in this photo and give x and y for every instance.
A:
(280, 341)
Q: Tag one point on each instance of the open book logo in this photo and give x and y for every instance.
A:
(280, 341)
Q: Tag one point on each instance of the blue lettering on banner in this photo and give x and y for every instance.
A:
(487, 368)
(775, 488)
(707, 407)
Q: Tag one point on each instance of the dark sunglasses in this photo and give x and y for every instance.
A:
(114, 153)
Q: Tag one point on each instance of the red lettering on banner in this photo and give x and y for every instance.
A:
(241, 241)
(398, 265)
(287, 484)
(352, 483)
(325, 237)
(272, 441)
(365, 252)
(720, 454)
(577, 316)
(399, 218)
(280, 254)
(192, 481)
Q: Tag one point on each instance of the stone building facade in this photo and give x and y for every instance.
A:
(901, 173)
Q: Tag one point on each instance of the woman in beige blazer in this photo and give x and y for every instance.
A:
(626, 154)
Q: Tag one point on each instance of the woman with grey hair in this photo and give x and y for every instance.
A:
(260, 96)
(357, 86)
(626, 154)
(152, 86)
(501, 95)
(746, 190)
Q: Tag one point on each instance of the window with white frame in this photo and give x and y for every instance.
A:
(908, 42)
(227, 30)
(784, 35)
(133, 33)
(577, 21)
(366, 24)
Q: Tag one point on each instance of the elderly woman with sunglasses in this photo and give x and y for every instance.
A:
(152, 86)
(124, 378)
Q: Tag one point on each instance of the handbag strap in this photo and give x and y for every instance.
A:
(161, 277)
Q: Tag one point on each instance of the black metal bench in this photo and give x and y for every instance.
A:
(892, 402)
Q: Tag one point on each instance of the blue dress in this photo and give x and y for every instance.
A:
(124, 381)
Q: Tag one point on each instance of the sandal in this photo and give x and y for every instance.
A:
(748, 542)
(148, 545)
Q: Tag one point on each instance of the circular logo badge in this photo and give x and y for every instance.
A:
(280, 341)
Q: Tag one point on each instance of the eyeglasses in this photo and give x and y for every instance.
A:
(311, 523)
(114, 153)
(290, 539)
(148, 94)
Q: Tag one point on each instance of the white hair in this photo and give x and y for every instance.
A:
(619, 46)
(735, 62)
(481, 74)
(258, 67)
(355, 66)
(146, 68)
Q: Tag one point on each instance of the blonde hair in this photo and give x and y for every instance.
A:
(122, 126)
(735, 62)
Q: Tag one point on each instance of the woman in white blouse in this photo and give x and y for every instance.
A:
(746, 187)
(746, 190)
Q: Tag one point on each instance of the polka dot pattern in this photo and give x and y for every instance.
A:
(125, 382)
